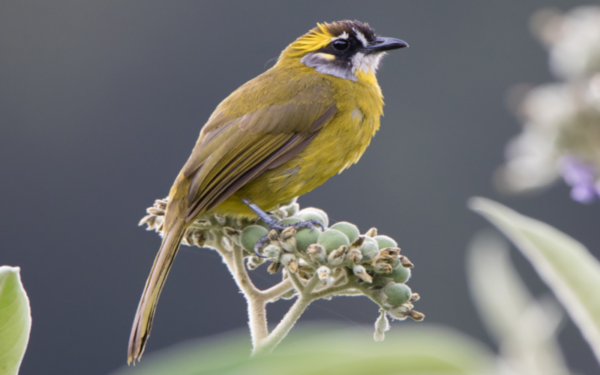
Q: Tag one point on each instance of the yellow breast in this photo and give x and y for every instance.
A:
(338, 145)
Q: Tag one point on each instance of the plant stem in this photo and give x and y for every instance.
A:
(257, 320)
(289, 320)
(282, 329)
(297, 283)
(332, 290)
(277, 290)
(257, 314)
(262, 341)
(241, 275)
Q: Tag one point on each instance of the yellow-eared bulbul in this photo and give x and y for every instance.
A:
(278, 136)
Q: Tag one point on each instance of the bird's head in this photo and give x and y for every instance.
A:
(343, 49)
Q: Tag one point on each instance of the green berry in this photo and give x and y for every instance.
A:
(272, 252)
(290, 220)
(250, 235)
(369, 249)
(401, 274)
(397, 294)
(385, 241)
(305, 237)
(287, 258)
(314, 213)
(349, 229)
(292, 209)
(381, 280)
(332, 239)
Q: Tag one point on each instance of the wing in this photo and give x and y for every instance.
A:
(233, 150)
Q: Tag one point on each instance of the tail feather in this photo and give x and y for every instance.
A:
(142, 323)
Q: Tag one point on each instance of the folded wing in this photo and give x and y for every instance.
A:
(234, 150)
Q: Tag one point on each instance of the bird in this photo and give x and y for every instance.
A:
(278, 136)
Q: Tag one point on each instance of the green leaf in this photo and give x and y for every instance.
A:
(564, 264)
(323, 350)
(524, 328)
(15, 320)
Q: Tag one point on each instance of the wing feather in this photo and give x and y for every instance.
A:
(231, 151)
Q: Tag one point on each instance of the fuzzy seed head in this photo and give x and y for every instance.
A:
(357, 243)
(416, 316)
(274, 267)
(316, 253)
(382, 268)
(398, 312)
(272, 252)
(405, 262)
(361, 272)
(336, 257)
(355, 256)
(323, 272)
(381, 325)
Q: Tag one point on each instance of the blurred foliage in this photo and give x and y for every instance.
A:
(327, 350)
(15, 320)
(561, 120)
(564, 264)
(524, 328)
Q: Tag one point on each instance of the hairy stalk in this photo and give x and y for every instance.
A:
(241, 274)
(334, 290)
(275, 292)
(257, 314)
(297, 283)
(289, 320)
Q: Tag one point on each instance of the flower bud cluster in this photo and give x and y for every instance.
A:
(340, 255)
(561, 133)
(337, 255)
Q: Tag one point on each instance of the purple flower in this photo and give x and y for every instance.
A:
(581, 177)
(583, 193)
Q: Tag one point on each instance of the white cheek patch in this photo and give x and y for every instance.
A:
(366, 63)
(327, 66)
(361, 37)
(323, 63)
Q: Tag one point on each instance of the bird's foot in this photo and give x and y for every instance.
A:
(260, 244)
(274, 224)
(312, 223)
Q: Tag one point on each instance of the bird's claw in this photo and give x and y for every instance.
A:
(308, 224)
(259, 245)
(312, 223)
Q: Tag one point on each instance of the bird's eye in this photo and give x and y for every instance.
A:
(340, 44)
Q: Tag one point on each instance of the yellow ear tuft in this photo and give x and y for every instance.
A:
(316, 38)
(322, 35)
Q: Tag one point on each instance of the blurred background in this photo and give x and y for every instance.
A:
(102, 101)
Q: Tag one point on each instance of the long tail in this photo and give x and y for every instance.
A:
(142, 323)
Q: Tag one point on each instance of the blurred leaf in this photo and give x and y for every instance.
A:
(15, 320)
(524, 328)
(323, 351)
(564, 264)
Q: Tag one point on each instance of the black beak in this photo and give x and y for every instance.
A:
(385, 44)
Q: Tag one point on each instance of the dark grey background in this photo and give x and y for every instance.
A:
(101, 102)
